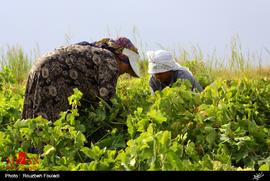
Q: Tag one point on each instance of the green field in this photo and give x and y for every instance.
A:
(226, 127)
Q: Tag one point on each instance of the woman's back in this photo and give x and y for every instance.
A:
(52, 79)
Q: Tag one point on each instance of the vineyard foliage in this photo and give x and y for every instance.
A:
(226, 127)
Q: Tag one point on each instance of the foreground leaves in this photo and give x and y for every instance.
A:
(226, 127)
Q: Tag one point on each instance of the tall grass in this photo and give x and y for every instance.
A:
(206, 68)
(236, 64)
(17, 61)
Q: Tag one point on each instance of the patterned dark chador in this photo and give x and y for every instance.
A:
(92, 68)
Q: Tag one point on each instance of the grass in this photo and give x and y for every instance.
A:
(206, 69)
(17, 61)
(235, 65)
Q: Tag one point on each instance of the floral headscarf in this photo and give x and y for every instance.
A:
(116, 46)
(123, 49)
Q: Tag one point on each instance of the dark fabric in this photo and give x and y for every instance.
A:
(94, 71)
(178, 74)
(84, 43)
(115, 46)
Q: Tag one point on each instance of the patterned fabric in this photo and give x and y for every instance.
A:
(125, 43)
(156, 85)
(94, 71)
(117, 45)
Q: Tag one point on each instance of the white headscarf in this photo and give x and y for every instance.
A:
(162, 61)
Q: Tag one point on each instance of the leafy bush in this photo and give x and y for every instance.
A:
(226, 127)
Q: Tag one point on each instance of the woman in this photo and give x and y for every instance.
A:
(93, 68)
(165, 71)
